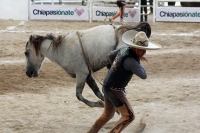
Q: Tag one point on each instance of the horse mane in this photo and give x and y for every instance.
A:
(143, 26)
(38, 39)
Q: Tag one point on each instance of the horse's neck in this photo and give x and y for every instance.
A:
(46, 50)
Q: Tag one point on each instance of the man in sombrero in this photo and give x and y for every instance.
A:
(126, 63)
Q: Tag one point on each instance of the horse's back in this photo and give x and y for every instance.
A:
(98, 42)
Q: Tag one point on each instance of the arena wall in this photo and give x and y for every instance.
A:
(14, 9)
(175, 13)
(20, 10)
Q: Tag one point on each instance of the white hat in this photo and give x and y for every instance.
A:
(139, 40)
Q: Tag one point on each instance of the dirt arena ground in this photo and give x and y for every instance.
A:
(168, 101)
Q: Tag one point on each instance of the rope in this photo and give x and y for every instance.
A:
(86, 58)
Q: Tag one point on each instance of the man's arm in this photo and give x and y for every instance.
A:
(132, 65)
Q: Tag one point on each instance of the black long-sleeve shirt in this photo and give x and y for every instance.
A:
(130, 64)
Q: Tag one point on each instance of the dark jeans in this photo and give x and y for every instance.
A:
(171, 3)
(151, 4)
(143, 2)
(121, 3)
(110, 95)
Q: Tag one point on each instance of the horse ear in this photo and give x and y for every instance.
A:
(31, 38)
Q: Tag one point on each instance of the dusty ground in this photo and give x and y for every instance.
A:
(168, 101)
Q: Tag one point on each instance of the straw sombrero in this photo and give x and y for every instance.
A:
(139, 40)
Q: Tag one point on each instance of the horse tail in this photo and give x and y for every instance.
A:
(143, 26)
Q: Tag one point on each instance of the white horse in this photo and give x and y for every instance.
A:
(66, 51)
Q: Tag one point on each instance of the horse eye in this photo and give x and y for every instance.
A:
(26, 53)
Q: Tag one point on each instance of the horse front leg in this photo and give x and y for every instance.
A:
(92, 84)
(80, 83)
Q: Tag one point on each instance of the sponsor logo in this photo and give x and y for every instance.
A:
(107, 14)
(179, 14)
(102, 13)
(79, 12)
(132, 13)
(51, 12)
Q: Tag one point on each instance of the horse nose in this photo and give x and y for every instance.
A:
(29, 74)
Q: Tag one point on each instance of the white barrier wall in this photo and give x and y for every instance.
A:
(176, 13)
(14, 9)
(61, 12)
(23, 10)
(130, 14)
(78, 12)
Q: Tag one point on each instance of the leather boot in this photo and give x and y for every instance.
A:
(108, 113)
(127, 116)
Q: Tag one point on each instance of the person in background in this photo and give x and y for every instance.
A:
(126, 63)
(151, 4)
(131, 2)
(171, 3)
(143, 3)
(121, 4)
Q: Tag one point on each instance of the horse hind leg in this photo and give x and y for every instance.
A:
(79, 89)
(92, 84)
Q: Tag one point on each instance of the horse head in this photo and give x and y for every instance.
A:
(34, 58)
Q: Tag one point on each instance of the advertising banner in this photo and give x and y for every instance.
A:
(178, 14)
(59, 12)
(130, 15)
